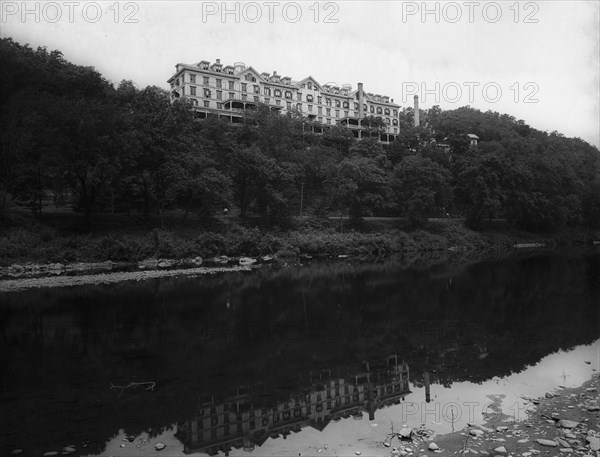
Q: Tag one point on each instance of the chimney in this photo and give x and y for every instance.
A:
(417, 122)
(361, 101)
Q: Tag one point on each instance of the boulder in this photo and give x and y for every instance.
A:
(433, 447)
(594, 442)
(405, 433)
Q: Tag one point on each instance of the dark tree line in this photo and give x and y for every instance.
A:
(68, 134)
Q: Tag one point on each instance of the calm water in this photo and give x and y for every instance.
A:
(288, 361)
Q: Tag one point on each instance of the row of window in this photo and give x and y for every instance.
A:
(267, 91)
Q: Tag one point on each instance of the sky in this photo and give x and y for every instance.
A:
(536, 60)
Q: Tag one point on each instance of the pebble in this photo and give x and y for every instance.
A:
(386, 444)
(50, 453)
(501, 450)
(567, 423)
(433, 447)
(159, 446)
(566, 450)
(476, 432)
(16, 451)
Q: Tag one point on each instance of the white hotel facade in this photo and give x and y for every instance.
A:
(226, 91)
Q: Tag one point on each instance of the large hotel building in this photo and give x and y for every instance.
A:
(226, 91)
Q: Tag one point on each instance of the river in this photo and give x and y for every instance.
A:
(297, 360)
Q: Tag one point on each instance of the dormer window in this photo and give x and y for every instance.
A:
(310, 86)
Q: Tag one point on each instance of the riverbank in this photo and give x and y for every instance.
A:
(42, 250)
(563, 422)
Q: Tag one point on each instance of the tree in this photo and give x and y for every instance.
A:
(421, 187)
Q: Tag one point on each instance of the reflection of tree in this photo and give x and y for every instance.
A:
(281, 325)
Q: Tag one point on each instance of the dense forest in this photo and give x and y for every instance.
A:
(70, 137)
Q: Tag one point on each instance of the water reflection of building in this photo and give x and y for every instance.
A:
(238, 423)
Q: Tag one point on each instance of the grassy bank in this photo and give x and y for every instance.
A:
(52, 243)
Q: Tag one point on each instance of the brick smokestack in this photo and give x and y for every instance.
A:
(361, 113)
(417, 121)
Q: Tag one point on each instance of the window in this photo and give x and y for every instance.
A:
(244, 97)
(328, 111)
(346, 105)
(310, 108)
(337, 113)
(206, 103)
(288, 94)
(231, 94)
(206, 81)
(356, 106)
(219, 95)
(219, 83)
(192, 90)
(387, 120)
(337, 103)
(387, 111)
(372, 109)
(248, 77)
(364, 106)
(278, 102)
(244, 87)
(328, 101)
(219, 105)
(193, 79)
(195, 102)
(394, 121)
(299, 95)
(256, 98)
(309, 85)
(309, 98)
(395, 113)
(320, 109)
(256, 90)
(319, 99)
(395, 129)
(231, 85)
(329, 121)
(379, 110)
(267, 100)
(299, 106)
(346, 113)
(267, 91)
(320, 118)
(207, 93)
(277, 92)
(289, 105)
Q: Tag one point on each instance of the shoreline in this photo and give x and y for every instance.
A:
(563, 422)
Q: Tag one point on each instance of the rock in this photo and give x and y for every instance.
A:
(562, 442)
(386, 444)
(357, 452)
(407, 449)
(159, 446)
(526, 454)
(476, 432)
(433, 447)
(68, 449)
(405, 433)
(50, 453)
(549, 395)
(16, 451)
(567, 424)
(247, 261)
(591, 389)
(594, 442)
(501, 429)
(566, 450)
(501, 450)
(523, 441)
(593, 408)
(544, 442)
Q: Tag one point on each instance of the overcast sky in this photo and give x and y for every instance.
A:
(538, 61)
